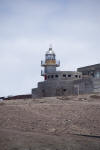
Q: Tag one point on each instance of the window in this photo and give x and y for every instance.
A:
(97, 74)
(52, 76)
(56, 76)
(69, 75)
(76, 76)
(64, 75)
(64, 90)
(92, 74)
(79, 76)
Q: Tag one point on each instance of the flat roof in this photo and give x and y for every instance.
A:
(91, 67)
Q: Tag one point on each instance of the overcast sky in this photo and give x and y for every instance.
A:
(27, 27)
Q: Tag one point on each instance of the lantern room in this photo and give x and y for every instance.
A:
(50, 62)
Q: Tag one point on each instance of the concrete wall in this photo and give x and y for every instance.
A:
(35, 93)
(64, 75)
(65, 85)
(61, 87)
(85, 85)
(93, 72)
(50, 69)
(96, 85)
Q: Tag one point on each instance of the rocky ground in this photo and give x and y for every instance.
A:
(57, 123)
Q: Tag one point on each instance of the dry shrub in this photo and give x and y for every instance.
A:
(82, 99)
(95, 96)
(63, 98)
(2, 103)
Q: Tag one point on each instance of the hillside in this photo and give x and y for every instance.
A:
(57, 123)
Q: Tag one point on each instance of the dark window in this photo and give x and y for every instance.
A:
(76, 76)
(56, 76)
(69, 75)
(64, 75)
(52, 76)
(79, 76)
(92, 74)
(64, 90)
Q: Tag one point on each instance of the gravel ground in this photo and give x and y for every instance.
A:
(57, 123)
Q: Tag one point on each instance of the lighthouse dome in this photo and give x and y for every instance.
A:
(50, 52)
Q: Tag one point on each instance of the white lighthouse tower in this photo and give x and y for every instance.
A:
(49, 64)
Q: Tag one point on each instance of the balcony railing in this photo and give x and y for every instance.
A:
(42, 73)
(42, 63)
(57, 63)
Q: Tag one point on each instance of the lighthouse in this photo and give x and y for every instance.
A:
(57, 82)
(50, 63)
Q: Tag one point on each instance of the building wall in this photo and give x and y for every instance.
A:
(50, 69)
(85, 85)
(92, 72)
(96, 84)
(55, 87)
(62, 83)
(64, 88)
(35, 93)
(64, 75)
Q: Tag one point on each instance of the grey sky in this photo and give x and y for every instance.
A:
(27, 27)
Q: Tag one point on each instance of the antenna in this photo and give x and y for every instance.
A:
(50, 46)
